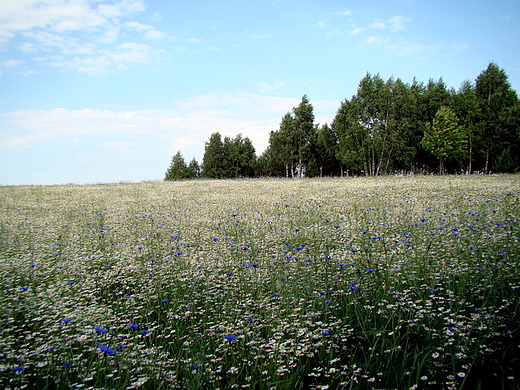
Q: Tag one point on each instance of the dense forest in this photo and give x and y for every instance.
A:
(387, 127)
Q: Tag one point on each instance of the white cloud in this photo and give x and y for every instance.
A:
(344, 13)
(322, 23)
(358, 30)
(189, 122)
(81, 35)
(154, 34)
(397, 23)
(13, 63)
(378, 25)
(138, 26)
(270, 87)
(406, 49)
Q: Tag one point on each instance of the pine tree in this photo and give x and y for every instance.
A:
(178, 169)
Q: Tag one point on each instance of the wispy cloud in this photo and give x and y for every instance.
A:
(82, 35)
(344, 13)
(191, 120)
(271, 87)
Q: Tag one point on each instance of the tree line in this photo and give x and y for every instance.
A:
(387, 127)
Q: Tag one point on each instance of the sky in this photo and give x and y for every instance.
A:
(102, 91)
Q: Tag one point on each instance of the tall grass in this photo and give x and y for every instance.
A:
(403, 283)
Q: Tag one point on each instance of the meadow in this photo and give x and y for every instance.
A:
(346, 283)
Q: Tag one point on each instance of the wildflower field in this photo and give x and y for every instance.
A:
(353, 283)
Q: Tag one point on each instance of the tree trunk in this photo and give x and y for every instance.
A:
(441, 166)
(470, 156)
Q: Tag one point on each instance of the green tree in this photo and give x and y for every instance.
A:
(293, 144)
(369, 128)
(285, 147)
(498, 103)
(228, 158)
(213, 157)
(275, 161)
(405, 125)
(193, 168)
(445, 138)
(178, 169)
(327, 146)
(467, 108)
(239, 157)
(352, 147)
(304, 133)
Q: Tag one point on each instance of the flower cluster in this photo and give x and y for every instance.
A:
(349, 283)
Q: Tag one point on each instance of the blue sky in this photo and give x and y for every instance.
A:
(108, 90)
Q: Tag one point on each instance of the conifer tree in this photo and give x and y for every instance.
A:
(178, 169)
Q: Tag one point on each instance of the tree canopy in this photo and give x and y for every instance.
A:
(387, 127)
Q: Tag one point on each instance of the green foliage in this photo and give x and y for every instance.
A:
(178, 169)
(230, 158)
(293, 144)
(213, 157)
(387, 127)
(445, 138)
(498, 104)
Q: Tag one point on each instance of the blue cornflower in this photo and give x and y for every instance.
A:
(164, 301)
(106, 349)
(133, 326)
(370, 270)
(325, 333)
(98, 329)
(66, 320)
(18, 368)
(71, 282)
(353, 286)
(144, 331)
(67, 365)
(229, 337)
